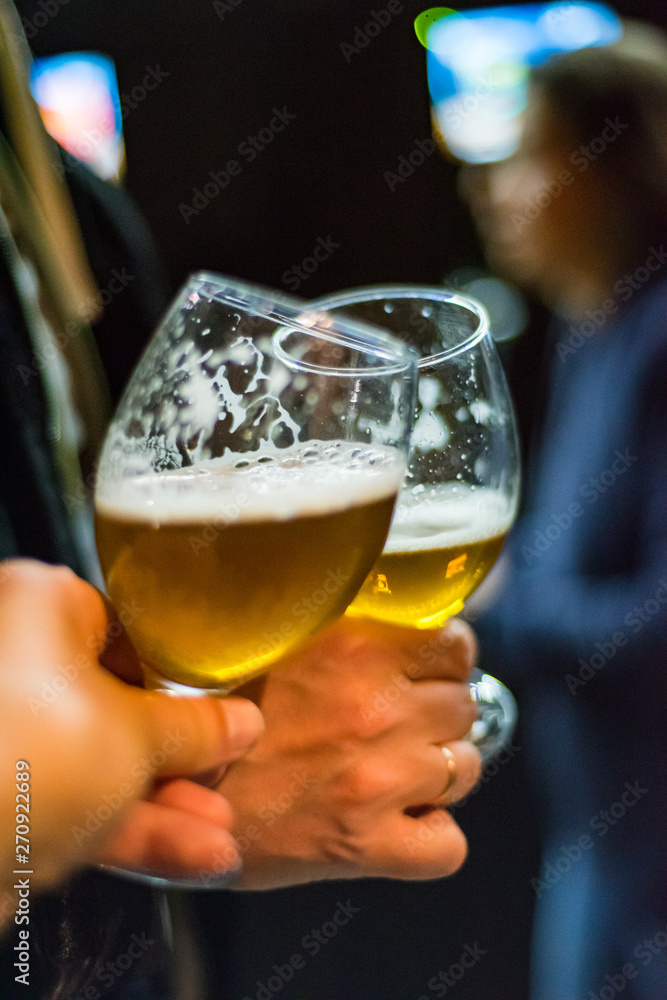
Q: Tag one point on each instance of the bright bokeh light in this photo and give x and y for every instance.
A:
(479, 61)
(79, 103)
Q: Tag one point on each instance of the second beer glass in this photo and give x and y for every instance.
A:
(461, 490)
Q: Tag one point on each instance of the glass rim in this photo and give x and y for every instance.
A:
(293, 314)
(430, 293)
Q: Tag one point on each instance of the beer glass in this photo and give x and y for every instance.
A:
(461, 489)
(248, 479)
(247, 483)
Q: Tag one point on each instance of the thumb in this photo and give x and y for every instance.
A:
(189, 735)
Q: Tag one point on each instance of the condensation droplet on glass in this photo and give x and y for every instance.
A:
(388, 307)
(427, 311)
(462, 414)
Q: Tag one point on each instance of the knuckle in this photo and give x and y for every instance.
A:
(369, 721)
(458, 640)
(361, 785)
(369, 713)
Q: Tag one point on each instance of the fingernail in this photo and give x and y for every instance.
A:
(245, 722)
(456, 628)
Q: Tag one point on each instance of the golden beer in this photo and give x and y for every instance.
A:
(439, 550)
(232, 567)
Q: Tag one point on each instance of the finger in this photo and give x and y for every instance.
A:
(170, 843)
(191, 735)
(189, 797)
(405, 847)
(430, 777)
(437, 710)
(434, 844)
(446, 653)
(462, 762)
(421, 654)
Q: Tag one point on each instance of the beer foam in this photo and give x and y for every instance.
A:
(316, 478)
(441, 517)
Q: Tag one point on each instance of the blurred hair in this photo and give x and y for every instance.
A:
(626, 81)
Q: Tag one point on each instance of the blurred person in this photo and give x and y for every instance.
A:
(62, 361)
(576, 622)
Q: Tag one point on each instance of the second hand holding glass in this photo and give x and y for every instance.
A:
(460, 493)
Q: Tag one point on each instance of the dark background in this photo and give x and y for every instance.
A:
(322, 177)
